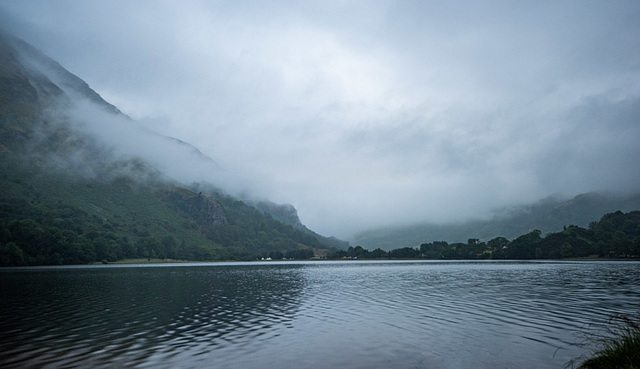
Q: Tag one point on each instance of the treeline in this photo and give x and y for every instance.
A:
(616, 235)
(144, 224)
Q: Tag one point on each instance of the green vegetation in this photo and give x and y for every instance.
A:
(55, 218)
(548, 215)
(618, 347)
(616, 235)
(65, 199)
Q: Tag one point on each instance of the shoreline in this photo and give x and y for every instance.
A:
(175, 261)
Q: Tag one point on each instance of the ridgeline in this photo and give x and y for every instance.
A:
(616, 236)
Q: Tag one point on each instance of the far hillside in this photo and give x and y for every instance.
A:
(615, 236)
(548, 215)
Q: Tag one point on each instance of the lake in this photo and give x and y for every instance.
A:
(352, 314)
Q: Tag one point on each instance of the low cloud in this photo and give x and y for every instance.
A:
(367, 114)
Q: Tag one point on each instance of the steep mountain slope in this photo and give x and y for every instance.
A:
(548, 215)
(288, 214)
(70, 192)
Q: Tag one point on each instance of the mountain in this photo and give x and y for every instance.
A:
(82, 182)
(287, 214)
(615, 235)
(548, 215)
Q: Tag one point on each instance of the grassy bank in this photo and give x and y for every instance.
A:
(618, 347)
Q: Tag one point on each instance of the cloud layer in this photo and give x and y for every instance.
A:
(365, 113)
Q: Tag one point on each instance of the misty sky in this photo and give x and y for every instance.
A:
(369, 113)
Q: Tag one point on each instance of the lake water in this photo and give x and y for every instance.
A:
(310, 314)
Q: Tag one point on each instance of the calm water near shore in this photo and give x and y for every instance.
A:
(310, 314)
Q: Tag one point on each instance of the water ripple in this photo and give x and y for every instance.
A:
(356, 315)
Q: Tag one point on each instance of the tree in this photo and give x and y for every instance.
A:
(11, 255)
(498, 244)
(378, 254)
(524, 246)
(404, 253)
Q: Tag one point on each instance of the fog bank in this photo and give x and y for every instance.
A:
(364, 114)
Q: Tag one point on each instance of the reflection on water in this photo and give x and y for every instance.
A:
(313, 315)
(123, 316)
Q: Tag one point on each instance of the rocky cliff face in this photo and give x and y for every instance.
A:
(285, 213)
(199, 207)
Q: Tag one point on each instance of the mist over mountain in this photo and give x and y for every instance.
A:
(548, 215)
(367, 115)
(81, 182)
(58, 133)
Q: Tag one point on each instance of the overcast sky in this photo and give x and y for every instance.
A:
(370, 113)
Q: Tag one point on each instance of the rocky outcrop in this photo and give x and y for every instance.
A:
(285, 213)
(201, 208)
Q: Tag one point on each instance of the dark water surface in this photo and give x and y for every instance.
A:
(310, 315)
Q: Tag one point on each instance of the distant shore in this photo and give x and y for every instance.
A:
(175, 261)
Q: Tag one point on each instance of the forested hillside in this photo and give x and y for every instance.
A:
(547, 215)
(67, 198)
(55, 220)
(616, 235)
